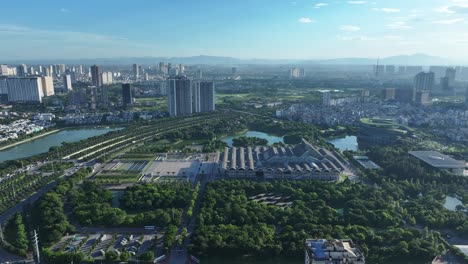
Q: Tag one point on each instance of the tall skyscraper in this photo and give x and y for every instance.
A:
(450, 73)
(47, 85)
(104, 95)
(31, 71)
(96, 75)
(127, 97)
(136, 71)
(445, 83)
(179, 95)
(25, 89)
(80, 69)
(40, 69)
(47, 71)
(67, 82)
(21, 70)
(423, 81)
(207, 96)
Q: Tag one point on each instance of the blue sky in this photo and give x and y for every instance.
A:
(276, 29)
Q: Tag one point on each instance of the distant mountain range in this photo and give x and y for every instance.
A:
(415, 59)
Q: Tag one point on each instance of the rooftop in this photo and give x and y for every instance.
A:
(437, 159)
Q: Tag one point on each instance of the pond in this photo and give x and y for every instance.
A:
(345, 143)
(43, 144)
(451, 203)
(270, 138)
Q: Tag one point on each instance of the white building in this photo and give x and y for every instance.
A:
(25, 89)
(47, 85)
(67, 82)
(4, 70)
(107, 78)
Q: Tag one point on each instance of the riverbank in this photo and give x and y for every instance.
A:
(29, 139)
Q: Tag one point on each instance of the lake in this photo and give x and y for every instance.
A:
(43, 144)
(451, 203)
(345, 143)
(270, 138)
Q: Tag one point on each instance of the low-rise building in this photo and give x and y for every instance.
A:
(303, 161)
(337, 251)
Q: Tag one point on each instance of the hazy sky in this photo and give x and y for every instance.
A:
(298, 29)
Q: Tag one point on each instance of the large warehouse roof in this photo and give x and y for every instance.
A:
(437, 159)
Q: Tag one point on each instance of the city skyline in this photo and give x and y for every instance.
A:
(245, 29)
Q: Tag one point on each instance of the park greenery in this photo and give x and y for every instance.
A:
(15, 236)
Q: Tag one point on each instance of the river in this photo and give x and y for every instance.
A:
(43, 144)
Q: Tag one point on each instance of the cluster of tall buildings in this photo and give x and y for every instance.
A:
(26, 89)
(186, 96)
(170, 69)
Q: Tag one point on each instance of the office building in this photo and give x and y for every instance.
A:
(67, 83)
(25, 90)
(181, 69)
(179, 95)
(451, 73)
(80, 69)
(200, 74)
(439, 71)
(423, 81)
(127, 97)
(3, 90)
(4, 70)
(136, 71)
(389, 94)
(40, 69)
(146, 76)
(51, 70)
(47, 85)
(334, 251)
(21, 70)
(296, 73)
(96, 75)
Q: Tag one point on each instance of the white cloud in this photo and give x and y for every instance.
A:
(387, 10)
(398, 25)
(391, 37)
(319, 5)
(63, 36)
(305, 20)
(349, 28)
(449, 21)
(357, 2)
(64, 10)
(360, 38)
